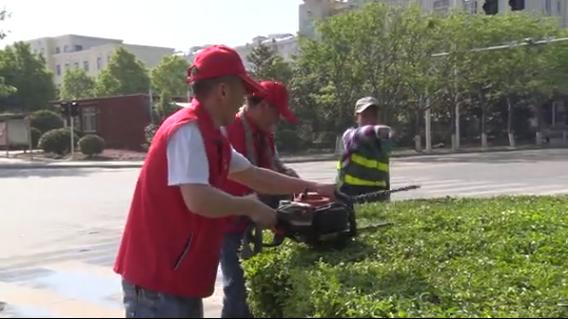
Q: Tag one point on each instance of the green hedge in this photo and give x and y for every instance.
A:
(505, 257)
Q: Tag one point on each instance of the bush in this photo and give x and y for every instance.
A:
(149, 132)
(45, 120)
(36, 135)
(56, 141)
(503, 257)
(91, 145)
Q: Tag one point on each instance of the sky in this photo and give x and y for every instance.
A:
(178, 24)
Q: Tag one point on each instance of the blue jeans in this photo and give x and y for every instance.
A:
(235, 297)
(142, 303)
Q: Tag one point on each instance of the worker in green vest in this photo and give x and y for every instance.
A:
(364, 165)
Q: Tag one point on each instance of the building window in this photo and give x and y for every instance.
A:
(559, 7)
(76, 65)
(441, 6)
(65, 48)
(78, 47)
(57, 50)
(491, 7)
(99, 63)
(58, 70)
(517, 5)
(86, 65)
(89, 119)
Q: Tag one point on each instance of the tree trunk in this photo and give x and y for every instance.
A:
(483, 120)
(452, 126)
(417, 136)
(510, 132)
(538, 123)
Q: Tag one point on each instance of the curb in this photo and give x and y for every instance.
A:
(321, 158)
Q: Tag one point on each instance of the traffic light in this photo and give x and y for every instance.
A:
(75, 110)
(517, 5)
(69, 109)
(65, 109)
(491, 7)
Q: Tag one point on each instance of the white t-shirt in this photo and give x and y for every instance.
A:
(187, 159)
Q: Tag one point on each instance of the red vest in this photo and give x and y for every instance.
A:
(236, 133)
(165, 247)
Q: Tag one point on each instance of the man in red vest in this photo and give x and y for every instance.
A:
(251, 134)
(170, 249)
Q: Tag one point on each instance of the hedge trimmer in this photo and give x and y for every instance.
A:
(316, 221)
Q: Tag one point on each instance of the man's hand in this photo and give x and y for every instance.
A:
(384, 132)
(262, 214)
(327, 190)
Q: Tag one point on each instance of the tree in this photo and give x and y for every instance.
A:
(5, 89)
(123, 75)
(28, 74)
(3, 15)
(517, 73)
(267, 64)
(77, 85)
(169, 77)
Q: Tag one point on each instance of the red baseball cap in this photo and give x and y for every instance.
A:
(217, 61)
(276, 94)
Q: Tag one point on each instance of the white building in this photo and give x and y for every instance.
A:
(285, 44)
(92, 54)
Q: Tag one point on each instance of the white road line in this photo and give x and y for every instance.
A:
(487, 186)
(528, 189)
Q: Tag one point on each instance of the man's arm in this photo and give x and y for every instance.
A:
(210, 202)
(188, 169)
(269, 182)
(280, 167)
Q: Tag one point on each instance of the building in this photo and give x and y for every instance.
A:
(285, 44)
(119, 120)
(312, 11)
(14, 131)
(91, 54)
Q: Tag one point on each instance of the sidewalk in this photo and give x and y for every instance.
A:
(12, 163)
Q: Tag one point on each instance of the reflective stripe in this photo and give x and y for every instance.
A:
(369, 163)
(351, 180)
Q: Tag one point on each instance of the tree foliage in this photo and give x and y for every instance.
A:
(77, 84)
(123, 75)
(28, 85)
(412, 60)
(169, 77)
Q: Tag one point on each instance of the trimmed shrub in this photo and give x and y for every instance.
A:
(503, 257)
(45, 120)
(56, 141)
(91, 145)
